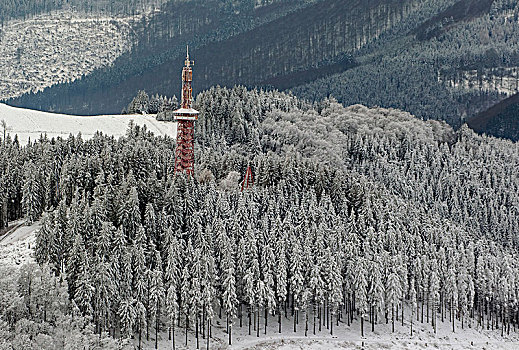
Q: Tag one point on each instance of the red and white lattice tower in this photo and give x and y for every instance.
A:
(186, 117)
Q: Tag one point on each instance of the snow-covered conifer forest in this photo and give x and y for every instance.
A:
(359, 219)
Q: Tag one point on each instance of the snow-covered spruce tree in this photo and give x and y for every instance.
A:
(452, 295)
(297, 279)
(32, 194)
(84, 292)
(334, 287)
(361, 285)
(139, 104)
(228, 280)
(172, 311)
(156, 294)
(393, 295)
(281, 270)
(434, 293)
(172, 277)
(376, 292)
(127, 316)
(267, 292)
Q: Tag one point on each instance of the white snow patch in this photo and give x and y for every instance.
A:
(32, 124)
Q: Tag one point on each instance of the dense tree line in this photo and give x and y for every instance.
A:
(356, 213)
(144, 104)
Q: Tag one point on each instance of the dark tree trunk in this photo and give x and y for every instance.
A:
(266, 316)
(196, 332)
(279, 320)
(157, 326)
(314, 317)
(373, 311)
(402, 312)
(173, 335)
(452, 314)
(208, 332)
(393, 318)
(140, 336)
(412, 319)
(258, 325)
(295, 323)
(187, 326)
(331, 326)
(306, 322)
(240, 315)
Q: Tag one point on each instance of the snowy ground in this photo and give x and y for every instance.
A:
(58, 47)
(31, 124)
(347, 337)
(20, 233)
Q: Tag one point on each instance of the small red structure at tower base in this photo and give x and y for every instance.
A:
(248, 180)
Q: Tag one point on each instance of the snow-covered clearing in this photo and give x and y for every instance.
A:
(58, 47)
(31, 124)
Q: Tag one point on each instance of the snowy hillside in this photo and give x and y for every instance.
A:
(57, 48)
(31, 124)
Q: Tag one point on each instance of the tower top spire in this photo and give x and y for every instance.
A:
(188, 61)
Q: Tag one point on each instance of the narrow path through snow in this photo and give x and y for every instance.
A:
(18, 234)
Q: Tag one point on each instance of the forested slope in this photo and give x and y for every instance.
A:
(501, 120)
(282, 44)
(425, 74)
(355, 213)
(444, 60)
(154, 61)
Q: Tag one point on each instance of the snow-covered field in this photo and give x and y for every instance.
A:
(31, 124)
(58, 47)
